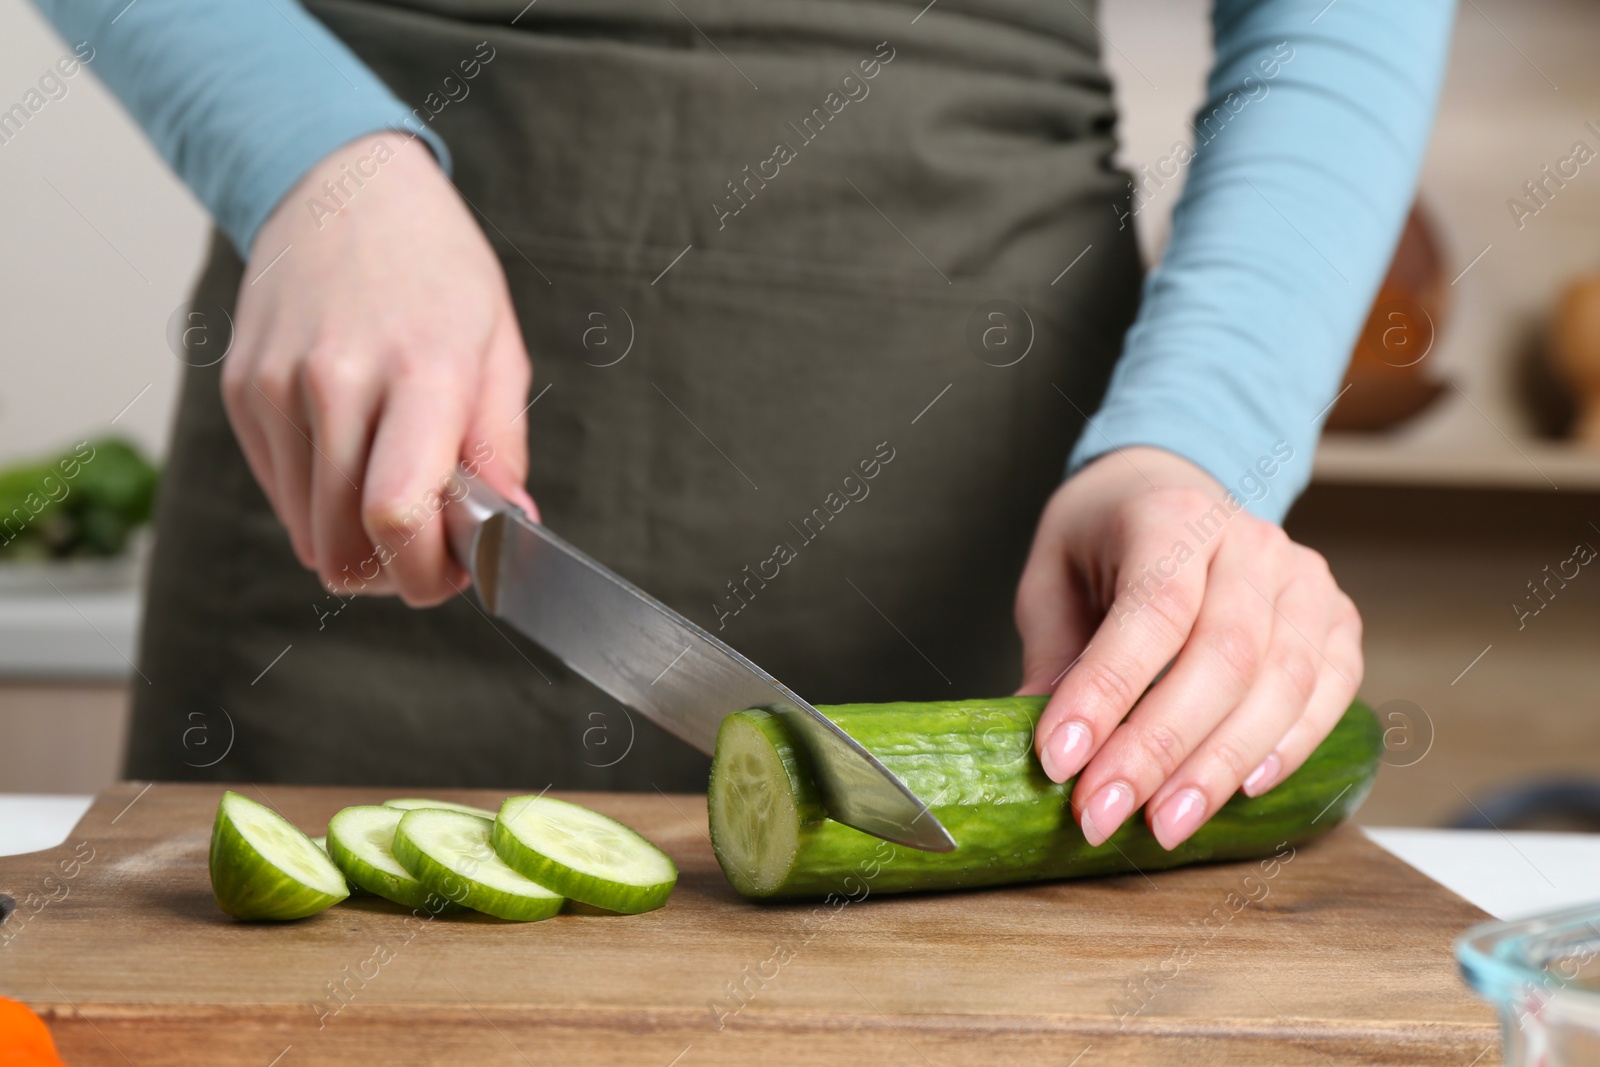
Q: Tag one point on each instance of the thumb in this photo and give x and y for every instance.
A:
(497, 440)
(1051, 618)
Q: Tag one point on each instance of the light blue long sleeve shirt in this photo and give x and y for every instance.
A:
(1295, 185)
(241, 97)
(1302, 173)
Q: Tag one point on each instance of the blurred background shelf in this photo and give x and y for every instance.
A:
(1491, 463)
(68, 635)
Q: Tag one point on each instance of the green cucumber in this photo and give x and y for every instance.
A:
(972, 763)
(413, 803)
(355, 890)
(449, 852)
(583, 855)
(265, 867)
(361, 841)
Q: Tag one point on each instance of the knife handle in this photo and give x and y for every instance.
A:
(473, 523)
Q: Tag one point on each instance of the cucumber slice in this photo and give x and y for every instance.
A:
(264, 867)
(583, 854)
(361, 842)
(355, 890)
(449, 852)
(413, 803)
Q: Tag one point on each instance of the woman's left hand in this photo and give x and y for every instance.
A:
(1138, 563)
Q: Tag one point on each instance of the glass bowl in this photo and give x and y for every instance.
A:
(1542, 975)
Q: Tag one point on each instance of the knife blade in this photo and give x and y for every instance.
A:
(652, 659)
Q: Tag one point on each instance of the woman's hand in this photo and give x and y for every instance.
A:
(375, 348)
(1139, 563)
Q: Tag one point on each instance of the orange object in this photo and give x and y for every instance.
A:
(1575, 343)
(1386, 382)
(24, 1039)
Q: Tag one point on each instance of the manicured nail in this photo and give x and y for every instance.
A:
(1263, 777)
(1066, 751)
(1179, 817)
(1106, 810)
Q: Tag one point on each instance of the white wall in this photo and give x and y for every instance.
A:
(1158, 53)
(81, 332)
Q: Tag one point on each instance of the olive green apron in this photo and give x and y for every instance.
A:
(808, 356)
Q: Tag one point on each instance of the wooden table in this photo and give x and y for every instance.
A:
(1338, 954)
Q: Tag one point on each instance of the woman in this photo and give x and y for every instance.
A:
(818, 296)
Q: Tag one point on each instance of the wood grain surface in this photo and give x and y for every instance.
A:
(1338, 954)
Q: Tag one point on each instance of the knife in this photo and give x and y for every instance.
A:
(649, 657)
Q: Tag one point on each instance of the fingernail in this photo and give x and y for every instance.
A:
(1263, 777)
(1106, 810)
(1066, 751)
(1179, 817)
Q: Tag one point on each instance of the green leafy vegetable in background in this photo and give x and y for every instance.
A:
(83, 503)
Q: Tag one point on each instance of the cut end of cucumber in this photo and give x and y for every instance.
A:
(413, 803)
(450, 853)
(583, 854)
(755, 824)
(264, 867)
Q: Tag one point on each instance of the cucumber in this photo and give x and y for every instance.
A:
(972, 763)
(413, 803)
(361, 841)
(355, 890)
(265, 867)
(449, 853)
(582, 854)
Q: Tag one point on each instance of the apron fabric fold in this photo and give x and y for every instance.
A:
(807, 362)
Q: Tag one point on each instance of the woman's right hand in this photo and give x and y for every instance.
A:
(374, 349)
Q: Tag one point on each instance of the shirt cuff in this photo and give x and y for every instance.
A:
(1265, 482)
(242, 210)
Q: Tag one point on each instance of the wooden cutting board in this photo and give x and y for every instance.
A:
(1338, 954)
